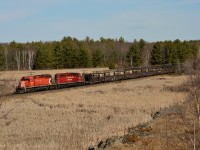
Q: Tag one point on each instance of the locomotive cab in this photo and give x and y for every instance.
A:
(26, 81)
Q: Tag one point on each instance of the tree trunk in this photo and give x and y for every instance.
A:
(17, 58)
(31, 56)
(6, 58)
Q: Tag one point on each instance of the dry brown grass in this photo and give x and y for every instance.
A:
(75, 118)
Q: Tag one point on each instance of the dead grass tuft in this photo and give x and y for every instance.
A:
(145, 129)
(180, 88)
(132, 138)
(147, 141)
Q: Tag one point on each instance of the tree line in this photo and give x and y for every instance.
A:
(113, 53)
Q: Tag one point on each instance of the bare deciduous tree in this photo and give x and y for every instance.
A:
(146, 56)
(31, 56)
(6, 58)
(18, 59)
(24, 56)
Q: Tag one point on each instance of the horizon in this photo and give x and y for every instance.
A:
(95, 40)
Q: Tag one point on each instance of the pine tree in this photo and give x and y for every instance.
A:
(59, 56)
(168, 52)
(97, 58)
(175, 51)
(44, 58)
(156, 54)
(135, 53)
(85, 59)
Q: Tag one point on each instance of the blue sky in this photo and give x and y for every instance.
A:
(49, 20)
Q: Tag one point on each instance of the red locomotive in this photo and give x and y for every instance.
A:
(28, 83)
(65, 79)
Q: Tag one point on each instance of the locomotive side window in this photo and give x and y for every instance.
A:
(75, 74)
(62, 75)
(47, 76)
(25, 79)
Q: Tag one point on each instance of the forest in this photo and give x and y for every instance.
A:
(113, 53)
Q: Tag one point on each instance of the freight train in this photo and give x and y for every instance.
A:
(69, 79)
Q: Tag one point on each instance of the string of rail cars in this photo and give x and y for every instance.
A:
(69, 79)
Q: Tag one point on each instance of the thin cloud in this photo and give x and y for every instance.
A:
(14, 15)
(13, 11)
(191, 1)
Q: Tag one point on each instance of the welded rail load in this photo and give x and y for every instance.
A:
(69, 79)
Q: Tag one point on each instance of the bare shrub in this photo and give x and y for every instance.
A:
(188, 67)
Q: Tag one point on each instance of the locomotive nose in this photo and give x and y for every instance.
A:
(21, 84)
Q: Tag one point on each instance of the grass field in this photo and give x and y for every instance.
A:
(75, 118)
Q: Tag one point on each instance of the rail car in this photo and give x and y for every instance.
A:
(62, 80)
(127, 73)
(68, 79)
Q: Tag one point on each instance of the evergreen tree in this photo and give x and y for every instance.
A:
(112, 60)
(70, 52)
(175, 51)
(85, 59)
(194, 49)
(156, 54)
(168, 49)
(141, 45)
(97, 58)
(135, 52)
(44, 58)
(59, 56)
(178, 52)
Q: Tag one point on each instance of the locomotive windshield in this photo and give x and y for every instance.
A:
(25, 79)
